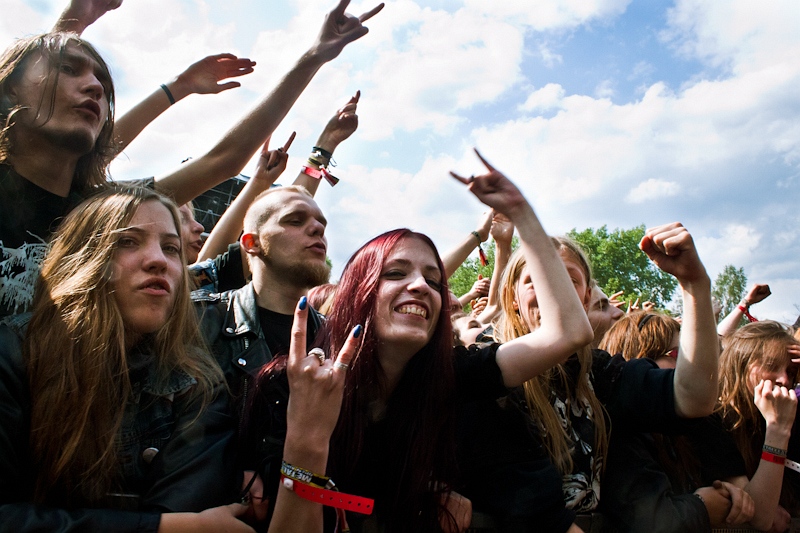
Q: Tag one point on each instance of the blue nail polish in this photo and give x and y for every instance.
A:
(303, 303)
(357, 331)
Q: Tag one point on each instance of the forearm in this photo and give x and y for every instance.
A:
(130, 125)
(730, 323)
(502, 254)
(293, 513)
(564, 325)
(239, 144)
(696, 371)
(453, 258)
(765, 485)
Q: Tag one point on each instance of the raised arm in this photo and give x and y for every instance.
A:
(340, 127)
(502, 232)
(453, 258)
(202, 77)
(270, 166)
(778, 406)
(564, 326)
(232, 152)
(672, 249)
(316, 388)
(80, 14)
(730, 323)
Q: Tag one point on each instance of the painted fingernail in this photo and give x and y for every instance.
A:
(357, 331)
(303, 303)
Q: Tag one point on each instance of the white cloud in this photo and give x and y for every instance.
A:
(652, 190)
(548, 15)
(548, 97)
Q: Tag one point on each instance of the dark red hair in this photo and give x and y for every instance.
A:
(420, 412)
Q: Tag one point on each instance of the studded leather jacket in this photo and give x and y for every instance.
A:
(230, 323)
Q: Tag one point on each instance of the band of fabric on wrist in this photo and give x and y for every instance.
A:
(772, 458)
(168, 93)
(331, 498)
(746, 313)
(319, 173)
(774, 451)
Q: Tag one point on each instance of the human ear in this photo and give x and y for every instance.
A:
(250, 243)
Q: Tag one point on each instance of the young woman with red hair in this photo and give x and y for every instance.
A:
(399, 382)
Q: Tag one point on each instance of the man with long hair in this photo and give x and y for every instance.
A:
(56, 115)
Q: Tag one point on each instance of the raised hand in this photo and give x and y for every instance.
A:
(316, 386)
(757, 293)
(341, 125)
(672, 249)
(272, 163)
(615, 301)
(341, 29)
(80, 14)
(776, 403)
(502, 230)
(204, 76)
(494, 189)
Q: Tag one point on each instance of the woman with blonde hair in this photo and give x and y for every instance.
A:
(758, 373)
(113, 416)
(567, 405)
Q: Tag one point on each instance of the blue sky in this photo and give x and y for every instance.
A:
(612, 112)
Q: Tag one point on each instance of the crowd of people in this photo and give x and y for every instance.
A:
(153, 380)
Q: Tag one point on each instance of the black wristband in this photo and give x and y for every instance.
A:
(169, 94)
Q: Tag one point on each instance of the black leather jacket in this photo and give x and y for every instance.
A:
(192, 469)
(230, 324)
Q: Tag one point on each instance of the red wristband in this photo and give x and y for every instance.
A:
(320, 173)
(746, 313)
(331, 498)
(772, 458)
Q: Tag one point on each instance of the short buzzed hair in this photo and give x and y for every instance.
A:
(260, 211)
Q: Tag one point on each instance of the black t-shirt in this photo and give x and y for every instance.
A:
(277, 329)
(220, 274)
(28, 217)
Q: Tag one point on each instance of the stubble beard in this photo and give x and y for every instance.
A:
(298, 273)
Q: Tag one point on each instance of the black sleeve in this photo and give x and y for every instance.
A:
(637, 395)
(17, 514)
(230, 269)
(638, 496)
(196, 470)
(477, 375)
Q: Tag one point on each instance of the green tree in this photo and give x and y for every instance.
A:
(729, 288)
(619, 265)
(465, 276)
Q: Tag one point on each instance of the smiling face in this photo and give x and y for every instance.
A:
(80, 107)
(525, 293)
(147, 270)
(191, 234)
(409, 300)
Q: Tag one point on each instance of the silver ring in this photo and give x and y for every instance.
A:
(340, 366)
(318, 353)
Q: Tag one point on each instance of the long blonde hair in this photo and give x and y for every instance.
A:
(762, 343)
(511, 325)
(75, 349)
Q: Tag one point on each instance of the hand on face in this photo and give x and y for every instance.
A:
(777, 404)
